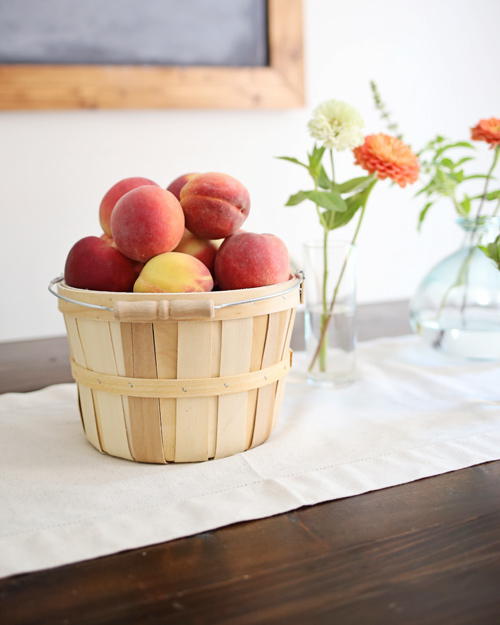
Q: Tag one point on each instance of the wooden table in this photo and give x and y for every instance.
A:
(427, 552)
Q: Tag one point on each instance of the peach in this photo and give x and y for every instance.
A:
(174, 272)
(109, 240)
(215, 205)
(93, 263)
(219, 242)
(147, 221)
(247, 260)
(114, 194)
(176, 185)
(202, 249)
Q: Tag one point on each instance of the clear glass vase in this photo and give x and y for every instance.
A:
(330, 331)
(456, 308)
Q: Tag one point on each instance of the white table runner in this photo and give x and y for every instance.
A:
(410, 414)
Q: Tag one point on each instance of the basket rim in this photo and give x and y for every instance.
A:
(219, 297)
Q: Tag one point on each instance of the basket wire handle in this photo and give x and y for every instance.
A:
(178, 309)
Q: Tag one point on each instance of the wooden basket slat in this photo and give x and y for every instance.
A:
(239, 340)
(280, 388)
(194, 360)
(265, 398)
(99, 356)
(125, 341)
(145, 424)
(213, 402)
(259, 334)
(236, 350)
(166, 367)
(115, 329)
(87, 408)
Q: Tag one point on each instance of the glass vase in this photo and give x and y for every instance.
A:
(330, 298)
(456, 308)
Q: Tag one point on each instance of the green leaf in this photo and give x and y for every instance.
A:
(292, 160)
(492, 251)
(354, 203)
(297, 198)
(457, 176)
(428, 190)
(465, 204)
(356, 184)
(323, 181)
(331, 200)
(315, 161)
(458, 144)
(423, 213)
(464, 160)
(447, 162)
(440, 175)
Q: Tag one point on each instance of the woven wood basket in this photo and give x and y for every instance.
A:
(179, 377)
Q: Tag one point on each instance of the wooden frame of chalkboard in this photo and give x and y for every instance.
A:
(279, 85)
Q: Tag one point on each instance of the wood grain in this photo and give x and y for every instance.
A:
(280, 85)
(194, 360)
(99, 355)
(427, 552)
(424, 553)
(236, 349)
(145, 424)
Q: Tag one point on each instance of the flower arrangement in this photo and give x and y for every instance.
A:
(458, 300)
(337, 126)
(446, 177)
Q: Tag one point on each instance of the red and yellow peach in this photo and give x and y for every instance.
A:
(202, 249)
(93, 263)
(215, 205)
(176, 185)
(174, 272)
(247, 260)
(114, 194)
(147, 221)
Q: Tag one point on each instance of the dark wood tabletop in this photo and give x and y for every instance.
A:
(427, 552)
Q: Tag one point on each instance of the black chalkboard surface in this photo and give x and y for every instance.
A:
(134, 32)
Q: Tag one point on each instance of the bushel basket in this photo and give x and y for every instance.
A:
(179, 377)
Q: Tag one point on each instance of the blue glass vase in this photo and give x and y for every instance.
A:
(456, 308)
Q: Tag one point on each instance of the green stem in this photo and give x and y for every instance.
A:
(463, 273)
(487, 180)
(324, 346)
(341, 275)
(465, 266)
(331, 163)
(323, 354)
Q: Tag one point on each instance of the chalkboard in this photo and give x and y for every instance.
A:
(63, 54)
(134, 32)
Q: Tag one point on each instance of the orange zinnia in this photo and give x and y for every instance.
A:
(388, 157)
(487, 130)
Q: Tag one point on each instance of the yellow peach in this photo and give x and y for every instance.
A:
(173, 272)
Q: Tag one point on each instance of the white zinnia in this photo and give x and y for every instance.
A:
(337, 124)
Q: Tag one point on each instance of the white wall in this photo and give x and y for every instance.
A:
(434, 61)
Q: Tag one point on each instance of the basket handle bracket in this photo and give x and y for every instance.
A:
(162, 310)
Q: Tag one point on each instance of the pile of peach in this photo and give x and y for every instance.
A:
(181, 239)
